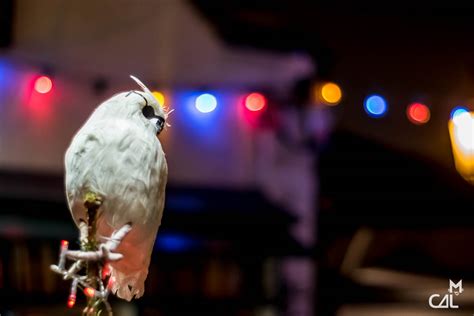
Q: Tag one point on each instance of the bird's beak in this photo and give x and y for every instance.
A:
(160, 124)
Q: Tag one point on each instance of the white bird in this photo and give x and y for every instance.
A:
(117, 155)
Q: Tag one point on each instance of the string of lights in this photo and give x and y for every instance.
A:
(327, 94)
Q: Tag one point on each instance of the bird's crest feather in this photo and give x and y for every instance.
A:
(141, 84)
(167, 111)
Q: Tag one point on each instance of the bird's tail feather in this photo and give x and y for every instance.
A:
(128, 286)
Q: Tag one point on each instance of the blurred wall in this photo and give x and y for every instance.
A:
(167, 45)
(170, 47)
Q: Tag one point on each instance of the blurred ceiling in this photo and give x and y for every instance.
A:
(321, 28)
(90, 38)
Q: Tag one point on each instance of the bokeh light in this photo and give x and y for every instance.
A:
(456, 111)
(3, 73)
(160, 97)
(206, 103)
(331, 93)
(71, 301)
(375, 106)
(418, 113)
(89, 292)
(255, 102)
(464, 125)
(174, 242)
(461, 131)
(43, 84)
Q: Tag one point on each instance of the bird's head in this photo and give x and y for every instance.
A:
(149, 106)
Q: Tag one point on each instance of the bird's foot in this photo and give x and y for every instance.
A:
(105, 251)
(103, 254)
(117, 236)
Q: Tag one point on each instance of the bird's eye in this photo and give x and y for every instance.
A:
(158, 121)
(148, 112)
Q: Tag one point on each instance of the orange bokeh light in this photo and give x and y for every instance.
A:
(89, 292)
(331, 93)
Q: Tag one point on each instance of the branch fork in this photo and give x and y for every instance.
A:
(94, 257)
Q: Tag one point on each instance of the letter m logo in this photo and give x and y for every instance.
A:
(457, 286)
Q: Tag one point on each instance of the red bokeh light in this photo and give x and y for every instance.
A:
(38, 100)
(255, 102)
(71, 301)
(43, 85)
(89, 292)
(105, 271)
(418, 113)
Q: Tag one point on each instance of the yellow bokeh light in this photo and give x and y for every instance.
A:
(160, 97)
(331, 93)
(461, 130)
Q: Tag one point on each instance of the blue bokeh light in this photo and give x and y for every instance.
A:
(174, 242)
(201, 129)
(458, 110)
(3, 73)
(375, 106)
(206, 103)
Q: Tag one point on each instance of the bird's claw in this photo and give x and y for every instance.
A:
(103, 254)
(108, 255)
(105, 251)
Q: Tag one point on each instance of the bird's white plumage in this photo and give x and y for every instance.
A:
(117, 155)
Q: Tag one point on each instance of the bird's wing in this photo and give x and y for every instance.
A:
(121, 162)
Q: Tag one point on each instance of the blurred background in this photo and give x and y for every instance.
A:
(321, 155)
